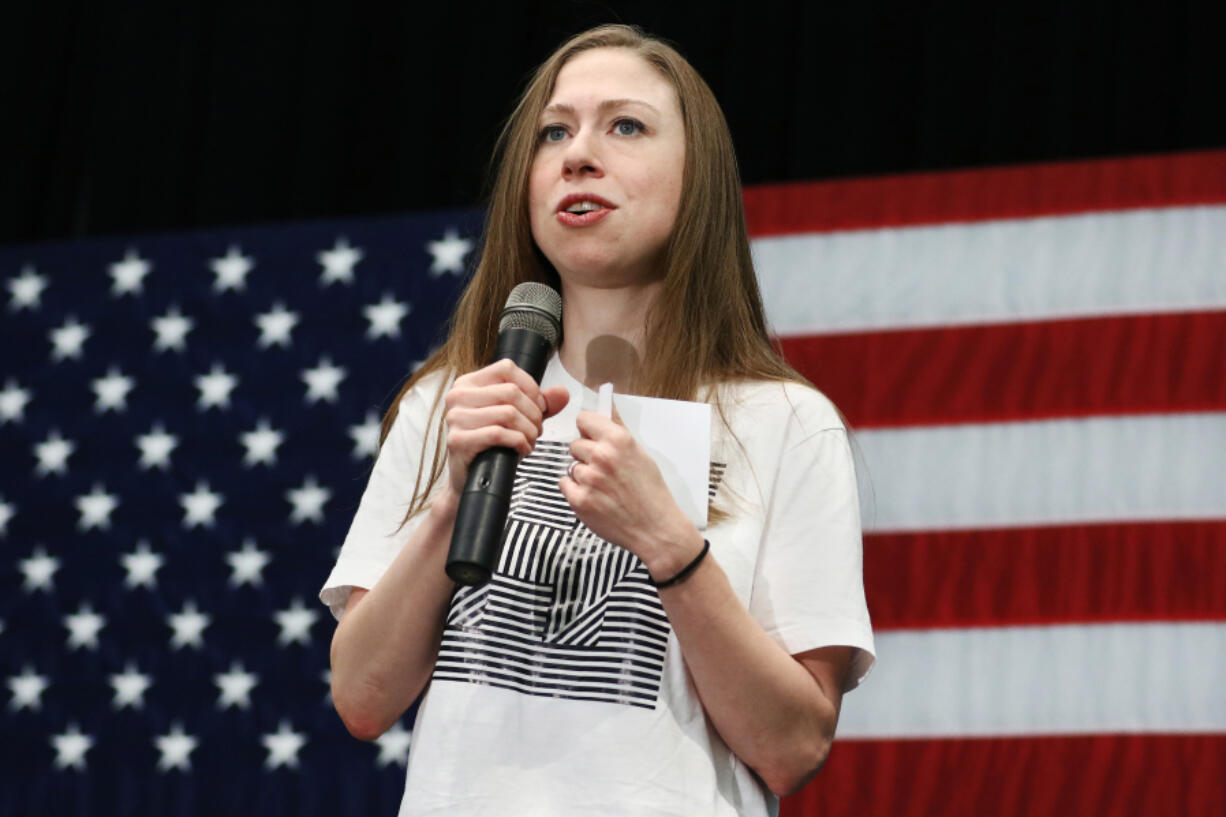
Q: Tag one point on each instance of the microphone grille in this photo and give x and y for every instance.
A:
(535, 307)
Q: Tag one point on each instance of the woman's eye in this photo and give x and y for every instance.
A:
(553, 133)
(627, 127)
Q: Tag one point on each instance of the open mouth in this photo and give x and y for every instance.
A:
(584, 207)
(582, 219)
(580, 210)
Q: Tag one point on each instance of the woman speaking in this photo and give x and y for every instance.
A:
(621, 660)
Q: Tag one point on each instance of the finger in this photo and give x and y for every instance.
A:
(588, 476)
(508, 371)
(504, 371)
(567, 487)
(593, 425)
(575, 494)
(468, 443)
(583, 450)
(484, 376)
(470, 419)
(492, 395)
(556, 399)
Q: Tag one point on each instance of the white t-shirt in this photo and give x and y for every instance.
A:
(560, 687)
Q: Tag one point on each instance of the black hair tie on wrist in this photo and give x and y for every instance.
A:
(684, 572)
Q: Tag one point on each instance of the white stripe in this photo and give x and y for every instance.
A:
(1163, 466)
(1043, 680)
(1159, 260)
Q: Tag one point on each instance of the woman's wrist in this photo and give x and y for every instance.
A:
(685, 572)
(673, 553)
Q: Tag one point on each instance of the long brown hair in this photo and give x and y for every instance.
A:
(707, 324)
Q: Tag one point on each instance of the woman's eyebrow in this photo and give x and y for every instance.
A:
(562, 107)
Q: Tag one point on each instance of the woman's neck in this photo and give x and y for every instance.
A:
(604, 331)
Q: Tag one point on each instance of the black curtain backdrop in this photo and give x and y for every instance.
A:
(126, 118)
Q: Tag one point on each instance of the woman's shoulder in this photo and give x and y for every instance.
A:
(779, 402)
(423, 394)
(418, 405)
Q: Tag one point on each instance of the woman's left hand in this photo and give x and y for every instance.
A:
(616, 489)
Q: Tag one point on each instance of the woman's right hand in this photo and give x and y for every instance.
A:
(499, 405)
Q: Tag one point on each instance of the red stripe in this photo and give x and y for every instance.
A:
(992, 193)
(1016, 371)
(1113, 775)
(1051, 575)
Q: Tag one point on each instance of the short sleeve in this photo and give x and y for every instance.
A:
(808, 589)
(376, 535)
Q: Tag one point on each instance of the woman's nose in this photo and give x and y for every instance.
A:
(581, 158)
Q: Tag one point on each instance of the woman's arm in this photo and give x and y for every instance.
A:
(385, 646)
(774, 711)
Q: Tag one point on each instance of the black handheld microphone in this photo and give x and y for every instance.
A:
(529, 328)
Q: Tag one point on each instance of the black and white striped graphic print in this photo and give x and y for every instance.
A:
(566, 614)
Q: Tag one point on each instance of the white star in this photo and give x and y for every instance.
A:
(13, 401)
(385, 317)
(155, 448)
(326, 677)
(53, 454)
(39, 571)
(95, 508)
(448, 253)
(215, 388)
(308, 502)
(27, 689)
(338, 262)
(141, 565)
(129, 274)
(171, 329)
(175, 746)
(83, 627)
(70, 748)
(322, 381)
(189, 626)
(394, 746)
(247, 565)
(283, 747)
(112, 391)
(295, 623)
(275, 326)
(67, 339)
(261, 444)
(366, 436)
(231, 269)
(235, 686)
(26, 289)
(199, 506)
(130, 687)
(7, 510)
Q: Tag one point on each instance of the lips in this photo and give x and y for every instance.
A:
(576, 198)
(587, 218)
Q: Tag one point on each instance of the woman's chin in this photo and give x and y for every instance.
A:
(597, 272)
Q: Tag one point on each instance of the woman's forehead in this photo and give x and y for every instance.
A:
(601, 76)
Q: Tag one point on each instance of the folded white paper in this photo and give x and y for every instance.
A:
(677, 435)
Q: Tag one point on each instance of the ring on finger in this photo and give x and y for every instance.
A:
(570, 470)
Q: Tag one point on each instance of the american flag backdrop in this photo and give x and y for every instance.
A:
(188, 423)
(1033, 360)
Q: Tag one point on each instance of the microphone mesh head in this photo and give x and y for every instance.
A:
(535, 307)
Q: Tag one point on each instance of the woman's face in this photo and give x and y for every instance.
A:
(605, 183)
